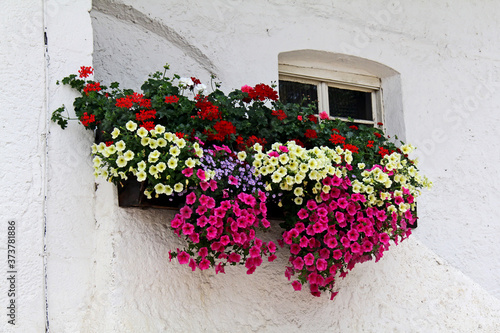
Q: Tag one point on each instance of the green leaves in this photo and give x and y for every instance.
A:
(58, 118)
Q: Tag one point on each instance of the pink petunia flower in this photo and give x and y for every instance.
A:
(187, 229)
(283, 149)
(183, 257)
(186, 212)
(234, 257)
(323, 115)
(302, 214)
(273, 154)
(191, 198)
(192, 264)
(254, 251)
(298, 263)
(204, 264)
(203, 252)
(233, 180)
(337, 254)
(321, 264)
(309, 259)
(201, 174)
(219, 268)
(297, 286)
(294, 249)
(188, 172)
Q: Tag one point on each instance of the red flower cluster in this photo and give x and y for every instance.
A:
(280, 114)
(253, 140)
(370, 143)
(85, 71)
(145, 117)
(262, 92)
(222, 129)
(124, 102)
(337, 139)
(352, 148)
(313, 118)
(145, 103)
(311, 134)
(354, 127)
(128, 102)
(382, 151)
(207, 111)
(92, 87)
(171, 99)
(195, 80)
(378, 135)
(87, 119)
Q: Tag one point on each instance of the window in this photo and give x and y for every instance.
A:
(341, 94)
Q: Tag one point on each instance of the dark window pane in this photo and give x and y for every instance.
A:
(350, 103)
(295, 92)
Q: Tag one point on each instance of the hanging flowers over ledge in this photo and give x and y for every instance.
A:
(345, 191)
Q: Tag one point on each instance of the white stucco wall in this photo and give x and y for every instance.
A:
(23, 177)
(107, 267)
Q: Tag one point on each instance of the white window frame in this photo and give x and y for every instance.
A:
(324, 78)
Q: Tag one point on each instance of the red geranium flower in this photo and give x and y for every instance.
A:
(85, 71)
(337, 139)
(352, 148)
(311, 134)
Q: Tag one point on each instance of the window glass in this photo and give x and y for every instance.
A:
(296, 92)
(349, 103)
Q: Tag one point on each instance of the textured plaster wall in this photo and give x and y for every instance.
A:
(444, 279)
(107, 268)
(22, 176)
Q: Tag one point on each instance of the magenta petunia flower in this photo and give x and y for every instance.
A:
(294, 249)
(191, 198)
(271, 247)
(186, 212)
(337, 254)
(203, 252)
(224, 240)
(273, 154)
(321, 264)
(311, 205)
(204, 264)
(201, 174)
(298, 263)
(309, 259)
(219, 268)
(187, 229)
(192, 264)
(302, 214)
(234, 257)
(188, 172)
(211, 233)
(352, 235)
(204, 186)
(297, 286)
(183, 257)
(323, 115)
(254, 251)
(283, 149)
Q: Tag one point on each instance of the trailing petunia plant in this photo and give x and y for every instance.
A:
(346, 192)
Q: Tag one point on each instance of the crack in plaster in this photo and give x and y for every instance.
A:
(128, 13)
